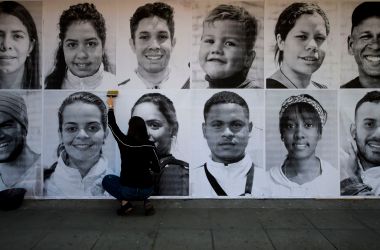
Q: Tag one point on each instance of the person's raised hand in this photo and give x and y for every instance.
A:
(110, 102)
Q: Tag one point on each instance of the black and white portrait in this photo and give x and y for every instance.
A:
(227, 143)
(227, 44)
(302, 144)
(360, 142)
(360, 30)
(166, 115)
(80, 49)
(302, 44)
(20, 33)
(155, 47)
(20, 136)
(78, 151)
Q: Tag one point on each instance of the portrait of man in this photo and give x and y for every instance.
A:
(364, 45)
(152, 40)
(19, 163)
(360, 162)
(229, 170)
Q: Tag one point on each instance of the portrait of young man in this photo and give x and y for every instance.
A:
(152, 41)
(360, 160)
(20, 165)
(229, 169)
(364, 45)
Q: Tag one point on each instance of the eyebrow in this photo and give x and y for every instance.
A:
(7, 121)
(87, 39)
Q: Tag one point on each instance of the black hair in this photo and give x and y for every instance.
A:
(363, 11)
(373, 96)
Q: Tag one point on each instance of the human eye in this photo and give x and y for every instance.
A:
(308, 125)
(71, 128)
(8, 124)
(163, 36)
(365, 36)
(320, 39)
(290, 125)
(144, 37)
(230, 44)
(369, 124)
(208, 40)
(71, 45)
(301, 37)
(18, 36)
(154, 125)
(237, 125)
(94, 127)
(216, 125)
(92, 44)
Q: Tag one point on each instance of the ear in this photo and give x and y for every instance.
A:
(353, 131)
(249, 58)
(280, 42)
(31, 46)
(132, 44)
(349, 45)
(204, 130)
(250, 126)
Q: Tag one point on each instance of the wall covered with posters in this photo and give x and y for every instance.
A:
(242, 99)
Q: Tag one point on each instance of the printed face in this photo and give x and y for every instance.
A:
(227, 130)
(12, 137)
(152, 45)
(158, 128)
(223, 50)
(83, 49)
(300, 135)
(82, 133)
(304, 46)
(366, 132)
(15, 44)
(364, 44)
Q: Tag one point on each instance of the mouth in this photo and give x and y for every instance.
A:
(374, 59)
(374, 144)
(300, 146)
(4, 145)
(82, 146)
(7, 57)
(310, 58)
(154, 57)
(82, 65)
(216, 60)
(227, 144)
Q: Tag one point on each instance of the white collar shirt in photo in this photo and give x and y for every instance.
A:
(175, 79)
(67, 182)
(325, 185)
(371, 177)
(232, 178)
(101, 80)
(30, 180)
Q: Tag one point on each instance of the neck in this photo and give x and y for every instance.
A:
(369, 81)
(298, 80)
(302, 170)
(228, 161)
(229, 82)
(153, 78)
(12, 80)
(83, 166)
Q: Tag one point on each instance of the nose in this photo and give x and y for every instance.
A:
(5, 43)
(217, 48)
(154, 44)
(82, 134)
(375, 42)
(376, 133)
(312, 45)
(227, 132)
(299, 132)
(82, 52)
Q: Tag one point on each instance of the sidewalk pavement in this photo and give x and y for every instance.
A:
(193, 224)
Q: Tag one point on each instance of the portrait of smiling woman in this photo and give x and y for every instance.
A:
(81, 61)
(81, 164)
(300, 32)
(304, 166)
(19, 57)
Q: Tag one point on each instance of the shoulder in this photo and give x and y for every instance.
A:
(354, 83)
(249, 84)
(274, 84)
(172, 161)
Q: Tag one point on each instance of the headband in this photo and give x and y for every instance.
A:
(304, 99)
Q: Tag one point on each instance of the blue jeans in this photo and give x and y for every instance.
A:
(111, 183)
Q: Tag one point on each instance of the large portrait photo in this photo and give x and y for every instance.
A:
(227, 44)
(227, 129)
(80, 50)
(302, 144)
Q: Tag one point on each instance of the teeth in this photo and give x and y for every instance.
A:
(373, 58)
(300, 146)
(310, 59)
(3, 145)
(82, 146)
(153, 57)
(374, 145)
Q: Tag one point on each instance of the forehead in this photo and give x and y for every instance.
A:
(81, 112)
(371, 24)
(226, 112)
(310, 22)
(294, 114)
(225, 28)
(152, 24)
(78, 30)
(368, 110)
(11, 22)
(148, 111)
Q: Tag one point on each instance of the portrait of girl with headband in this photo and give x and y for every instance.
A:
(302, 174)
